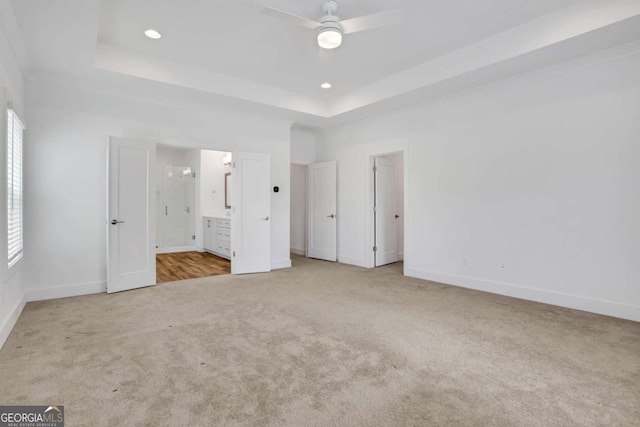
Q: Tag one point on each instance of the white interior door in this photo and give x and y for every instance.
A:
(322, 220)
(131, 251)
(386, 212)
(250, 213)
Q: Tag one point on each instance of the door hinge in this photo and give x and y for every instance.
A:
(234, 165)
(375, 168)
(234, 254)
(194, 174)
(193, 237)
(375, 249)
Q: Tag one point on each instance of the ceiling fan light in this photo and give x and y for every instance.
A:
(329, 38)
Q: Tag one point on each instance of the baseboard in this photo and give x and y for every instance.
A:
(298, 251)
(175, 249)
(401, 256)
(7, 324)
(608, 308)
(360, 262)
(65, 291)
(282, 263)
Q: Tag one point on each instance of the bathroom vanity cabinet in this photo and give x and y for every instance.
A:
(217, 236)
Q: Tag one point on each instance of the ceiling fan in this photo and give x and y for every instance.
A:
(331, 28)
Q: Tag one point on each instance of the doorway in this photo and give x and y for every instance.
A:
(134, 206)
(191, 189)
(388, 209)
(175, 199)
(298, 209)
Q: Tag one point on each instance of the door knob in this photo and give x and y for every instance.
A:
(331, 216)
(397, 216)
(115, 221)
(266, 219)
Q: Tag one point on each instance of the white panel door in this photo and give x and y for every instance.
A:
(386, 212)
(131, 252)
(250, 213)
(321, 220)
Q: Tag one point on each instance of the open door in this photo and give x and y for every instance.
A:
(131, 257)
(321, 223)
(250, 213)
(386, 212)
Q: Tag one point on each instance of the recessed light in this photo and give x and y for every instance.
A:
(152, 34)
(325, 85)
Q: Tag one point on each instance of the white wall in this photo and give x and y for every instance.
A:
(172, 156)
(212, 183)
(65, 201)
(303, 146)
(538, 174)
(12, 297)
(298, 209)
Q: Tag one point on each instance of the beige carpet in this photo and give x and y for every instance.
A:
(321, 344)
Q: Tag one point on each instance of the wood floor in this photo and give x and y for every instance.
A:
(189, 265)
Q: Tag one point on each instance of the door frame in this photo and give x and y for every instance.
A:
(370, 197)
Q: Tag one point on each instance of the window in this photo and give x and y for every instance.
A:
(14, 187)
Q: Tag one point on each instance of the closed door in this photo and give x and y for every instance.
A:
(386, 212)
(250, 213)
(131, 256)
(322, 216)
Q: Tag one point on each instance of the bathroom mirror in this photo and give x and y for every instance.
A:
(227, 190)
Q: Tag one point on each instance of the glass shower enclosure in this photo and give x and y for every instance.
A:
(175, 202)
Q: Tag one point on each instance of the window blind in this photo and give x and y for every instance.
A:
(14, 187)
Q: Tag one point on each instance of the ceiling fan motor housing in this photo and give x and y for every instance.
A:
(330, 21)
(329, 7)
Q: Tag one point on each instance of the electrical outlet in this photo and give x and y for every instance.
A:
(503, 265)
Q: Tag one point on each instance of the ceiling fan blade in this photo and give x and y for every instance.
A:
(370, 22)
(291, 18)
